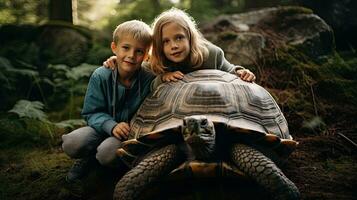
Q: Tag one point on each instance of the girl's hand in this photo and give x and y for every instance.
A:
(172, 76)
(246, 75)
(121, 131)
(110, 63)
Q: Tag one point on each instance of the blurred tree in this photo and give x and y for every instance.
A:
(228, 3)
(145, 10)
(23, 11)
(200, 10)
(266, 3)
(61, 10)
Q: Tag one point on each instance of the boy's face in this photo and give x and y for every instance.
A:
(175, 41)
(130, 54)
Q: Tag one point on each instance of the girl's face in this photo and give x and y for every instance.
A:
(175, 42)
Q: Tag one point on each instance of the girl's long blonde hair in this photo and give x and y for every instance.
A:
(198, 49)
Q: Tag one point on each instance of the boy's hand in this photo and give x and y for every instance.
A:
(121, 131)
(246, 75)
(110, 63)
(172, 76)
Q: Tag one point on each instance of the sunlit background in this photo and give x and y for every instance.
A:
(99, 14)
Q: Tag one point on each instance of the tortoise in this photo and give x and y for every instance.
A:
(208, 116)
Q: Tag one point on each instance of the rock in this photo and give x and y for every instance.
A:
(62, 45)
(39, 46)
(243, 48)
(340, 15)
(248, 37)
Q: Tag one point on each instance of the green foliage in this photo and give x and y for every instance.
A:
(309, 90)
(26, 51)
(71, 124)
(22, 11)
(29, 109)
(69, 85)
(5, 82)
(63, 75)
(25, 72)
(5, 63)
(83, 70)
(200, 10)
(70, 81)
(12, 80)
(26, 132)
(338, 77)
(32, 127)
(98, 53)
(144, 10)
(147, 10)
(57, 80)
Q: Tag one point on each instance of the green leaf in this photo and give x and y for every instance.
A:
(5, 64)
(82, 71)
(71, 123)
(25, 72)
(59, 67)
(5, 80)
(25, 65)
(29, 109)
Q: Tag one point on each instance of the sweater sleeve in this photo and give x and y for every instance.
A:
(156, 82)
(95, 110)
(223, 64)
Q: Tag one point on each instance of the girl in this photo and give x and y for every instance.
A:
(180, 48)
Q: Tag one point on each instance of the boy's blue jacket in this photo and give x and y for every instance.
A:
(107, 102)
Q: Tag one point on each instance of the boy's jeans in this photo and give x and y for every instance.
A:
(85, 142)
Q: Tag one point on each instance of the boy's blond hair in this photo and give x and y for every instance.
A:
(198, 49)
(138, 29)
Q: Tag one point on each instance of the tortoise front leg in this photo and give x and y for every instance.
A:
(264, 172)
(149, 170)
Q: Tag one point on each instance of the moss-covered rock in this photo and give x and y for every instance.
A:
(39, 45)
(277, 27)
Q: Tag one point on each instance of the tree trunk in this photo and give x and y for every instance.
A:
(61, 10)
(260, 3)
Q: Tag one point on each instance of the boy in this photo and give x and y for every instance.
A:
(112, 98)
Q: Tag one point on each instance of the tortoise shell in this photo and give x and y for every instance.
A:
(242, 108)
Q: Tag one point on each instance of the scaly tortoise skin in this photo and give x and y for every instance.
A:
(248, 127)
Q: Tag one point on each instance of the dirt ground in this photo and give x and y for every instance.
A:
(325, 166)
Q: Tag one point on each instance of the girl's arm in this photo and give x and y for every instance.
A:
(216, 55)
(246, 75)
(172, 76)
(241, 72)
(111, 62)
(156, 82)
(166, 77)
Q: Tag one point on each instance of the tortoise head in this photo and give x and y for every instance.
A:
(199, 134)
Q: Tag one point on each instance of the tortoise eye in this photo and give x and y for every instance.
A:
(204, 122)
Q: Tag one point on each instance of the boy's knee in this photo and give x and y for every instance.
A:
(106, 152)
(76, 143)
(70, 146)
(106, 160)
